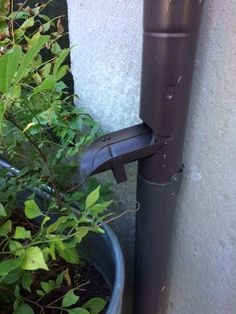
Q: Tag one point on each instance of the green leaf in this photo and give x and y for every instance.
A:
(16, 92)
(95, 305)
(29, 57)
(12, 277)
(60, 278)
(2, 211)
(6, 228)
(7, 266)
(52, 251)
(56, 49)
(59, 61)
(33, 259)
(3, 7)
(16, 248)
(45, 220)
(8, 67)
(99, 208)
(28, 23)
(45, 70)
(22, 233)
(48, 286)
(2, 111)
(56, 225)
(32, 210)
(37, 78)
(40, 293)
(92, 198)
(48, 84)
(62, 72)
(23, 308)
(27, 280)
(81, 232)
(70, 255)
(77, 310)
(46, 26)
(69, 299)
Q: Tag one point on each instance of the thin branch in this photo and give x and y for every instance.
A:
(61, 297)
(41, 153)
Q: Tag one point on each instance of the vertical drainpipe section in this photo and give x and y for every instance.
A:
(169, 48)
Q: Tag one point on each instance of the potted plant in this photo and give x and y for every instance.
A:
(53, 258)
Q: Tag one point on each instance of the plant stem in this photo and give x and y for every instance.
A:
(41, 153)
(61, 297)
(12, 23)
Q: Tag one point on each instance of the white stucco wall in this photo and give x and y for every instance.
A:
(106, 67)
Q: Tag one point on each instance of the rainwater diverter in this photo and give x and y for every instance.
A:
(169, 46)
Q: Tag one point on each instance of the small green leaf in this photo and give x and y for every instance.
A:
(81, 232)
(70, 255)
(45, 220)
(62, 72)
(92, 198)
(52, 251)
(2, 211)
(99, 208)
(59, 61)
(40, 293)
(29, 57)
(77, 310)
(60, 278)
(45, 70)
(28, 23)
(12, 277)
(48, 84)
(7, 266)
(23, 308)
(57, 224)
(6, 228)
(32, 210)
(16, 248)
(37, 78)
(22, 233)
(95, 305)
(8, 67)
(69, 299)
(46, 26)
(2, 111)
(33, 259)
(16, 92)
(56, 49)
(27, 280)
(48, 286)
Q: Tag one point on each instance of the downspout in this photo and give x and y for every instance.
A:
(169, 47)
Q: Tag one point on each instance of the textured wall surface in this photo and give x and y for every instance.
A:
(106, 68)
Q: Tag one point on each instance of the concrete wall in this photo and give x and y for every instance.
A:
(106, 68)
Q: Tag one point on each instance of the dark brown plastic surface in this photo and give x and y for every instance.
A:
(169, 47)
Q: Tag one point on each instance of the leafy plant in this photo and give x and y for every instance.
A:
(42, 132)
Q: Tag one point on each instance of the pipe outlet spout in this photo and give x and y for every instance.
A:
(113, 151)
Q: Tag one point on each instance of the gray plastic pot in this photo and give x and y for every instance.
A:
(104, 251)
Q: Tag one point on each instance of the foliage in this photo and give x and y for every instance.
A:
(42, 132)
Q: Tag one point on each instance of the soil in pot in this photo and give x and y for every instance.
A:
(86, 281)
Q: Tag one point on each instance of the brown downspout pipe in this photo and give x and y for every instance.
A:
(169, 47)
